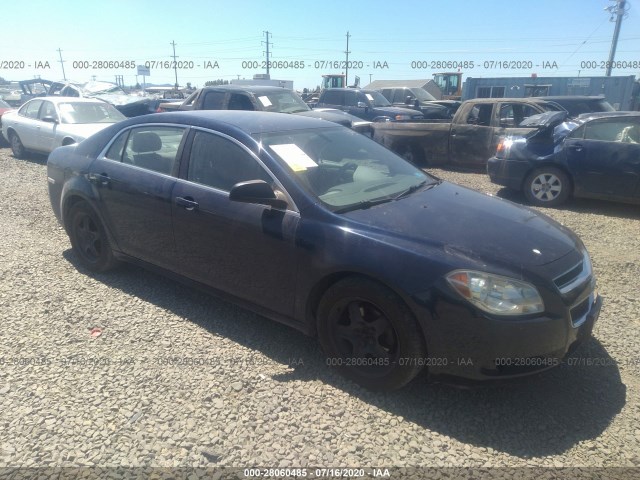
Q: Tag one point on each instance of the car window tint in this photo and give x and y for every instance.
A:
(612, 131)
(154, 148)
(48, 110)
(480, 115)
(30, 110)
(333, 97)
(218, 162)
(240, 102)
(213, 101)
(117, 147)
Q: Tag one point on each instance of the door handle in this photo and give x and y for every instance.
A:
(188, 203)
(577, 147)
(100, 179)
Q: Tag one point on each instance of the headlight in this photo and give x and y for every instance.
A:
(496, 294)
(403, 117)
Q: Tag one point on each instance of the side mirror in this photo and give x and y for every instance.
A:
(362, 105)
(408, 100)
(256, 191)
(49, 119)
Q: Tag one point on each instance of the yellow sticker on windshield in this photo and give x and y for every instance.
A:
(294, 156)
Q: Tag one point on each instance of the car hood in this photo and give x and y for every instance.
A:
(466, 223)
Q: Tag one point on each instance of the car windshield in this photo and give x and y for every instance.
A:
(423, 95)
(282, 102)
(86, 112)
(376, 98)
(344, 169)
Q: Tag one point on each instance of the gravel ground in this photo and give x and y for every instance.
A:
(176, 378)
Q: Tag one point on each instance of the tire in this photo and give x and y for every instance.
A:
(369, 334)
(16, 145)
(89, 239)
(547, 187)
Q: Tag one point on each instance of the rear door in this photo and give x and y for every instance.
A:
(604, 155)
(47, 129)
(246, 250)
(135, 181)
(27, 124)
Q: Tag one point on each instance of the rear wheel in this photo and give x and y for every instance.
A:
(547, 187)
(16, 145)
(89, 239)
(369, 334)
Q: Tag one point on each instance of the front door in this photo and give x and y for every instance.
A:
(246, 250)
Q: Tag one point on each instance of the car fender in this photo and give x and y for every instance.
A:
(78, 188)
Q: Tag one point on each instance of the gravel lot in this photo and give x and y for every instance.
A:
(181, 379)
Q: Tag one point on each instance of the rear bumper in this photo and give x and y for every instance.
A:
(508, 173)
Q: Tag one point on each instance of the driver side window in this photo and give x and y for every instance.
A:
(219, 163)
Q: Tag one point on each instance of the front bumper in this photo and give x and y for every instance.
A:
(466, 343)
(508, 173)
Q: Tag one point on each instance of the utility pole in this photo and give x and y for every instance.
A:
(62, 63)
(175, 64)
(267, 35)
(618, 12)
(346, 69)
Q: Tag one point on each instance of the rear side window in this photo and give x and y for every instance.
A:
(213, 101)
(335, 97)
(153, 148)
(613, 131)
(31, 109)
(117, 147)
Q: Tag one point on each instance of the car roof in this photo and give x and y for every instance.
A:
(595, 115)
(56, 100)
(570, 98)
(248, 88)
(536, 100)
(251, 122)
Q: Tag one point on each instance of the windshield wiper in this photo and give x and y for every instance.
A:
(415, 188)
(363, 205)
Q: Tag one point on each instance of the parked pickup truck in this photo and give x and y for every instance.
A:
(471, 137)
(419, 99)
(365, 104)
(263, 98)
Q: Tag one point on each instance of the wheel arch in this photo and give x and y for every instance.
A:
(326, 282)
(538, 166)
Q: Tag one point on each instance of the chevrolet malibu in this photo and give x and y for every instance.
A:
(321, 228)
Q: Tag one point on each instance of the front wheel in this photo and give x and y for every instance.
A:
(369, 334)
(16, 145)
(547, 187)
(89, 239)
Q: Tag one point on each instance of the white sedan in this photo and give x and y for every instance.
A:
(44, 123)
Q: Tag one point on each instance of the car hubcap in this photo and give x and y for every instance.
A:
(88, 237)
(363, 333)
(546, 187)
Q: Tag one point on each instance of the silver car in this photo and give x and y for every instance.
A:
(42, 124)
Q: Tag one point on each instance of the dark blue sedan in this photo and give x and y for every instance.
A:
(314, 225)
(595, 155)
